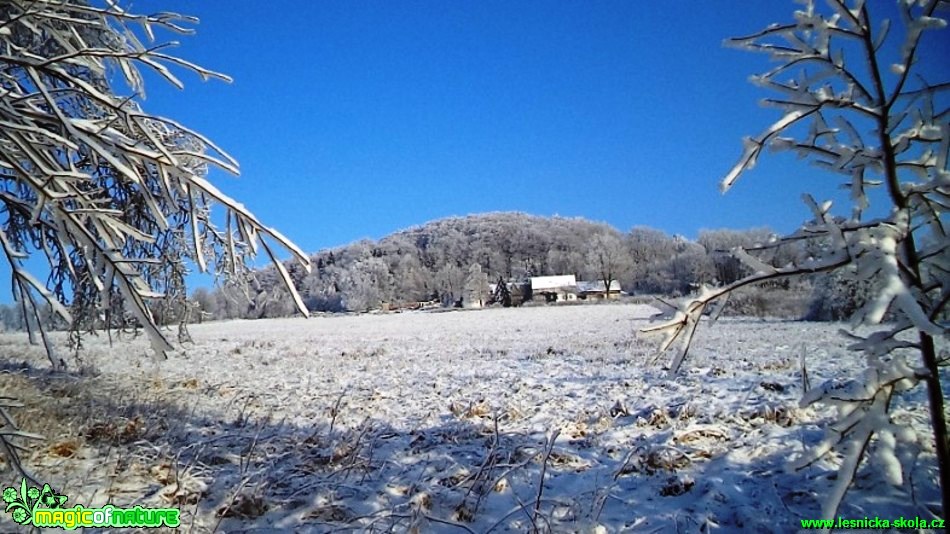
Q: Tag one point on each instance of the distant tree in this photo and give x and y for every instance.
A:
(411, 279)
(855, 101)
(501, 295)
(231, 301)
(650, 252)
(203, 304)
(114, 198)
(477, 291)
(451, 282)
(608, 259)
(719, 245)
(323, 289)
(360, 293)
(689, 267)
(566, 260)
(369, 284)
(270, 298)
(838, 295)
(11, 318)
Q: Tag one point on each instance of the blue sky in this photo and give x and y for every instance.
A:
(358, 119)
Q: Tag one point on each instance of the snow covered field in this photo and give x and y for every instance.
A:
(501, 420)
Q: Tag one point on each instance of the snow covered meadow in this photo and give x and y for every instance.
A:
(499, 420)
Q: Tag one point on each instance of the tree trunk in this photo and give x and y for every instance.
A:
(938, 418)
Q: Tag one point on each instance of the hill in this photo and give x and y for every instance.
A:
(442, 260)
(433, 261)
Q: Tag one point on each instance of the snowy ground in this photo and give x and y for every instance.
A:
(450, 422)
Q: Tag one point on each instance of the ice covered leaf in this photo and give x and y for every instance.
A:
(752, 147)
(886, 459)
(857, 188)
(783, 143)
(905, 434)
(752, 262)
(750, 151)
(827, 389)
(931, 23)
(909, 305)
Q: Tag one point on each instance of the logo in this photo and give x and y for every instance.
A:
(37, 507)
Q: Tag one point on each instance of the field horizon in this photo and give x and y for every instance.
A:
(552, 418)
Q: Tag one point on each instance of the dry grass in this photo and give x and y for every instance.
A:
(428, 421)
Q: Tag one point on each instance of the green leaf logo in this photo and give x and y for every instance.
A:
(22, 504)
(18, 502)
(49, 498)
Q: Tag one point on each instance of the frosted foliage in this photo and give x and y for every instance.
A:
(115, 199)
(833, 113)
(886, 458)
(118, 201)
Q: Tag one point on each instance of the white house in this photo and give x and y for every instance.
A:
(555, 288)
(595, 290)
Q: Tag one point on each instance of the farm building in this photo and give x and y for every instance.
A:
(555, 288)
(594, 290)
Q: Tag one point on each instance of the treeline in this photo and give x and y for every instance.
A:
(448, 260)
(436, 262)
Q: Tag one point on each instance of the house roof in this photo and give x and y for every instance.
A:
(596, 286)
(541, 283)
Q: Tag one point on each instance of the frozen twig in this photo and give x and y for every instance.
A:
(544, 466)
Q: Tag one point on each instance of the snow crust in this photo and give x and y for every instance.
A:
(444, 422)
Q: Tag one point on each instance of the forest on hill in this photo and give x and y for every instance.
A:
(443, 260)
(451, 261)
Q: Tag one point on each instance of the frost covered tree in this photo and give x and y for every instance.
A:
(451, 281)
(369, 285)
(117, 200)
(649, 250)
(688, 268)
(607, 259)
(856, 101)
(501, 295)
(564, 260)
(838, 295)
(410, 279)
(477, 291)
(203, 304)
(422, 260)
(718, 243)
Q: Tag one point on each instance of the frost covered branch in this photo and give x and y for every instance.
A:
(9, 431)
(100, 187)
(114, 198)
(878, 127)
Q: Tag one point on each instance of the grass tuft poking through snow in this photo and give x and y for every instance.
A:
(498, 420)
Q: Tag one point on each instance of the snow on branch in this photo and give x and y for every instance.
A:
(878, 128)
(95, 183)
